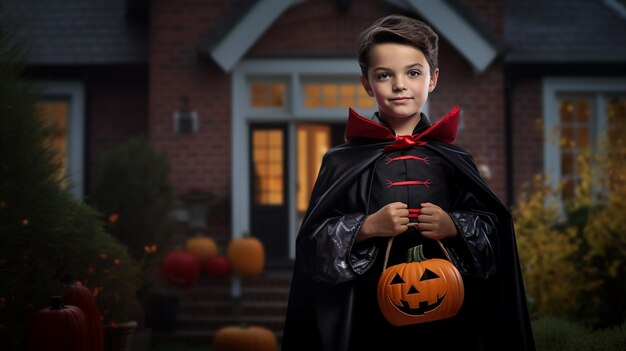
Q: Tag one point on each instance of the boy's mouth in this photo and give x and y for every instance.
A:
(400, 99)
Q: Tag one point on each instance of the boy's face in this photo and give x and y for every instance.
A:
(399, 79)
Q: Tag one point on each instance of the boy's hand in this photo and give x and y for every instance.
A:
(390, 220)
(435, 223)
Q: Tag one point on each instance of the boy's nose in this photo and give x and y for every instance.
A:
(398, 86)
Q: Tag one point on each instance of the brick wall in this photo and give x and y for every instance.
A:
(528, 136)
(118, 109)
(199, 161)
(481, 98)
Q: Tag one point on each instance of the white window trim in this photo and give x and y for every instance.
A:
(75, 91)
(552, 87)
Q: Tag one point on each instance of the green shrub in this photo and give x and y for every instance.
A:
(553, 333)
(105, 266)
(134, 194)
(133, 184)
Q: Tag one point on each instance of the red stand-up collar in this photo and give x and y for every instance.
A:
(444, 130)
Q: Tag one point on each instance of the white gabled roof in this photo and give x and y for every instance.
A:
(476, 49)
(447, 21)
(234, 45)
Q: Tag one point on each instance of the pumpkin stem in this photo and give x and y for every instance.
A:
(415, 254)
(56, 303)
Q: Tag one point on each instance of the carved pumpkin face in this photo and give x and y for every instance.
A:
(421, 291)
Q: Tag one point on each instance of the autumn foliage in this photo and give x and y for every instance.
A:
(573, 255)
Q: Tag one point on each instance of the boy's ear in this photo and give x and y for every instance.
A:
(366, 85)
(433, 80)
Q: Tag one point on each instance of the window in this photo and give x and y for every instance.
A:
(313, 140)
(616, 113)
(333, 95)
(584, 114)
(268, 166)
(56, 111)
(62, 103)
(267, 94)
(575, 125)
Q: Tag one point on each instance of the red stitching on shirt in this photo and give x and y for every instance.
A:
(409, 182)
(408, 157)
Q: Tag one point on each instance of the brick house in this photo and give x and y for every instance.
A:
(245, 96)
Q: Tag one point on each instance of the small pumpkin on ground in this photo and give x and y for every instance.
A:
(244, 338)
(246, 255)
(201, 246)
(421, 290)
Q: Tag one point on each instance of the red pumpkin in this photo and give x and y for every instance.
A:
(246, 255)
(180, 267)
(252, 338)
(80, 296)
(421, 290)
(217, 266)
(58, 328)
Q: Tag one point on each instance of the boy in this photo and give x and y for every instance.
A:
(400, 177)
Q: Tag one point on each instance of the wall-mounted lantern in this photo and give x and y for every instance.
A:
(185, 120)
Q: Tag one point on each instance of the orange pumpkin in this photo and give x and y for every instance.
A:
(201, 247)
(241, 338)
(246, 255)
(421, 290)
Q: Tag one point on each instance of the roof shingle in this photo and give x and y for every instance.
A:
(564, 31)
(71, 32)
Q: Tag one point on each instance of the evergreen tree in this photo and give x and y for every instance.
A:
(47, 237)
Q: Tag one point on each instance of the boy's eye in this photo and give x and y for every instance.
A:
(414, 73)
(384, 75)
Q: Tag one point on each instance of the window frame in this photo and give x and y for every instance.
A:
(599, 89)
(74, 91)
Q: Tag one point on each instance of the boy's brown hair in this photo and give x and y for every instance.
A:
(400, 30)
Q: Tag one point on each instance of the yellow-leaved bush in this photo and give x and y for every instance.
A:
(574, 256)
(552, 281)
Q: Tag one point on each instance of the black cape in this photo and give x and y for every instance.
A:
(320, 310)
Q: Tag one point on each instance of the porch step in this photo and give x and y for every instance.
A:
(208, 306)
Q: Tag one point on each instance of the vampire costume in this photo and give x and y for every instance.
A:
(333, 302)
